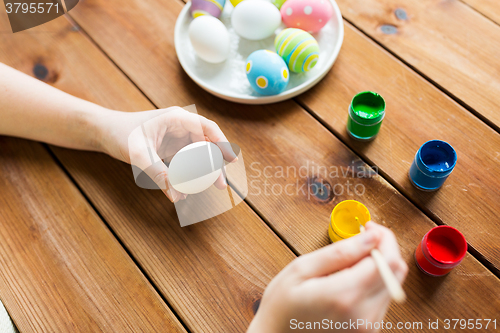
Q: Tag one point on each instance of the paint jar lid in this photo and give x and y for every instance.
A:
(367, 108)
(444, 246)
(343, 219)
(436, 158)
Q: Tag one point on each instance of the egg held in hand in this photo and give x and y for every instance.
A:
(308, 15)
(298, 48)
(267, 72)
(207, 7)
(196, 167)
(255, 19)
(210, 39)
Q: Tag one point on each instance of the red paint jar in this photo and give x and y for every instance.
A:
(441, 249)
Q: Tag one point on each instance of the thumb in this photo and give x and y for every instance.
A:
(158, 172)
(338, 255)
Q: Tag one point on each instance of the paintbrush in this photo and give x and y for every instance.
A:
(391, 282)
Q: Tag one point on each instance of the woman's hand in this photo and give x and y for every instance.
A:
(34, 110)
(339, 282)
(146, 138)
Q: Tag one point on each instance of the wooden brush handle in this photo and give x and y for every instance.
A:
(391, 282)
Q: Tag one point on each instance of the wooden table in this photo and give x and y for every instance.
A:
(84, 249)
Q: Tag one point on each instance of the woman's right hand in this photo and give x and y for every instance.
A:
(338, 283)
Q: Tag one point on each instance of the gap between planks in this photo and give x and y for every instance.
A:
(426, 77)
(479, 12)
(253, 207)
(475, 253)
(141, 269)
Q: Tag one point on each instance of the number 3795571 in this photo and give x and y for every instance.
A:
(23, 7)
(470, 324)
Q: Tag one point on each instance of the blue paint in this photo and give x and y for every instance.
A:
(433, 163)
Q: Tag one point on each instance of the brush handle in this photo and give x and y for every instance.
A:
(391, 282)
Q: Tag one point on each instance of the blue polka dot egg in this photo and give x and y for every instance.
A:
(267, 72)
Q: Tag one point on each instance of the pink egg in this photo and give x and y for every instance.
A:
(308, 15)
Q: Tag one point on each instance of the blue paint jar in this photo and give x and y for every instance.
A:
(433, 163)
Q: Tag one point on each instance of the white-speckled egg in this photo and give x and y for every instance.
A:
(210, 39)
(255, 19)
(308, 15)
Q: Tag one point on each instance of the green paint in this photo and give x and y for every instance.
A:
(366, 112)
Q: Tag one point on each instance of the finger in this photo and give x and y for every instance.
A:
(390, 249)
(202, 128)
(146, 159)
(336, 256)
(215, 135)
(191, 122)
(220, 183)
(363, 276)
(158, 172)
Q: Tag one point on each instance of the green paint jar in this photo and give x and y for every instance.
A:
(366, 112)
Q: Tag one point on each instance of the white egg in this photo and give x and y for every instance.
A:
(255, 20)
(210, 39)
(195, 167)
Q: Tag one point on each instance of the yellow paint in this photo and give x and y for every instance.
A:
(333, 236)
(285, 73)
(249, 66)
(346, 218)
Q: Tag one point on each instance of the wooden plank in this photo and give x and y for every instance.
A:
(280, 136)
(62, 270)
(488, 8)
(417, 112)
(212, 273)
(447, 41)
(205, 271)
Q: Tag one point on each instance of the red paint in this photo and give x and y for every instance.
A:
(441, 249)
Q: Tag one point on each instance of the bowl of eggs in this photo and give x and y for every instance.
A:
(258, 51)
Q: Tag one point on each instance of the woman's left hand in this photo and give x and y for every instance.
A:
(140, 138)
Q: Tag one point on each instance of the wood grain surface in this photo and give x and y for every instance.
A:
(212, 273)
(489, 8)
(62, 269)
(280, 136)
(447, 41)
(417, 112)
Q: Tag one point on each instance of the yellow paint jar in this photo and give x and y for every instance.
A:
(346, 218)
